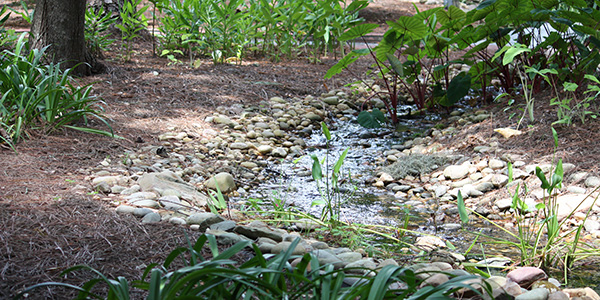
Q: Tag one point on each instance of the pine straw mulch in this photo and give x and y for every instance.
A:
(49, 221)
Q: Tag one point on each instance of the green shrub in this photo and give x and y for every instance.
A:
(38, 96)
(261, 277)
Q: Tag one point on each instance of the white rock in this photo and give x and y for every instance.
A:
(455, 172)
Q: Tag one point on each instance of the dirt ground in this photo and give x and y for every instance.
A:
(49, 223)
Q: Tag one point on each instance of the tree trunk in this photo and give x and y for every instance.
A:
(60, 24)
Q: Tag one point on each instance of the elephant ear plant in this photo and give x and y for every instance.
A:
(414, 55)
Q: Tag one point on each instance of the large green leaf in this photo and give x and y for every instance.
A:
(411, 27)
(452, 14)
(372, 119)
(396, 64)
(357, 31)
(458, 88)
(345, 62)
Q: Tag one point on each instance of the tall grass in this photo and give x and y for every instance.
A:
(41, 96)
(261, 277)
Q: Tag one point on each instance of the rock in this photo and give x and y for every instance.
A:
(326, 257)
(333, 100)
(158, 182)
(484, 187)
(576, 190)
(313, 117)
(435, 280)
(279, 152)
(151, 218)
(264, 149)
(455, 172)
(582, 292)
(307, 225)
(204, 220)
(284, 246)
(224, 180)
(125, 209)
(440, 190)
(256, 232)
(145, 203)
(109, 180)
(349, 257)
(591, 225)
(363, 264)
(177, 221)
(560, 295)
(141, 211)
(592, 182)
(499, 180)
(225, 238)
(429, 243)
(171, 202)
(223, 226)
(569, 202)
(535, 294)
(496, 164)
(525, 276)
(239, 146)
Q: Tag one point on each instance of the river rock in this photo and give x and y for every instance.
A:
(525, 276)
(560, 295)
(455, 172)
(496, 164)
(499, 180)
(279, 152)
(429, 243)
(535, 294)
(307, 225)
(204, 220)
(568, 203)
(171, 202)
(264, 149)
(227, 225)
(326, 257)
(151, 218)
(582, 292)
(284, 246)
(256, 232)
(239, 146)
(177, 221)
(349, 257)
(125, 209)
(224, 180)
(165, 180)
(592, 182)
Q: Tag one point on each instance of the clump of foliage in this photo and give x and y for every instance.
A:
(262, 277)
(226, 31)
(415, 165)
(39, 96)
(97, 24)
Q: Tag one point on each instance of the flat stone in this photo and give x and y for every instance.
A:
(535, 294)
(204, 220)
(125, 209)
(239, 146)
(145, 203)
(151, 218)
(592, 182)
(264, 149)
(429, 243)
(158, 182)
(307, 224)
(349, 257)
(141, 211)
(171, 202)
(177, 221)
(227, 225)
(496, 164)
(326, 257)
(455, 172)
(279, 152)
(224, 180)
(256, 232)
(285, 246)
(572, 203)
(525, 276)
(499, 180)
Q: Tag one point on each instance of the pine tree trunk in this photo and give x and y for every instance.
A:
(60, 24)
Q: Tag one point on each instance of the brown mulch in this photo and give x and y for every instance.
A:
(49, 222)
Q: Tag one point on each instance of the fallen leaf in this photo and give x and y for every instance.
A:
(508, 132)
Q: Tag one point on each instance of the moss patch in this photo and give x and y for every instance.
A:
(415, 165)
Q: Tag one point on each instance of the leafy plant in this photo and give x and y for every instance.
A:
(540, 236)
(133, 21)
(262, 277)
(26, 14)
(97, 23)
(331, 198)
(571, 106)
(216, 199)
(413, 55)
(42, 96)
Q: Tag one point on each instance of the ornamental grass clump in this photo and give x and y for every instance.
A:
(36, 96)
